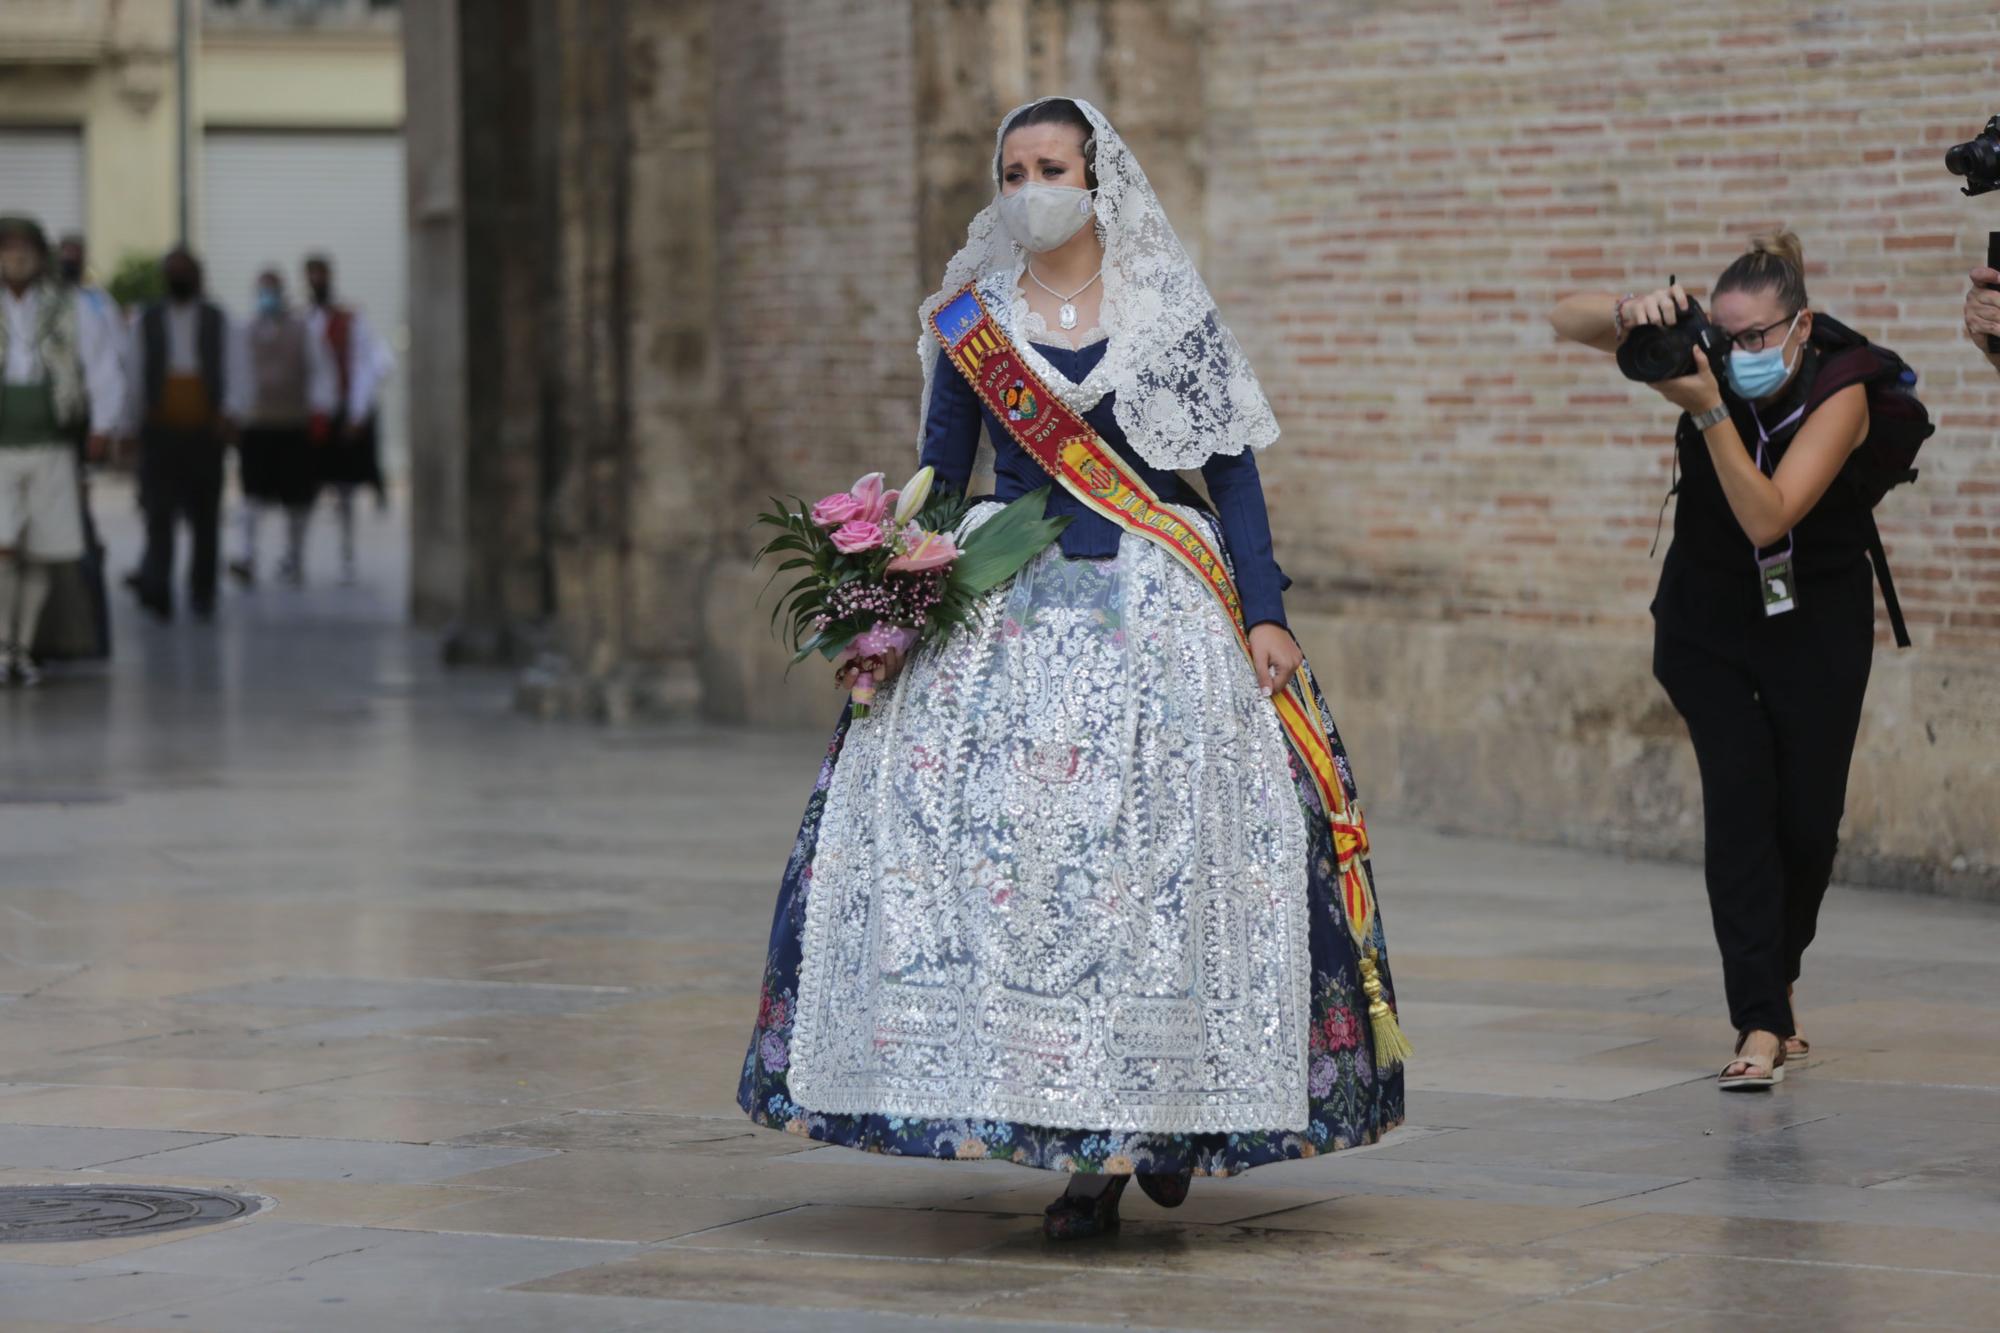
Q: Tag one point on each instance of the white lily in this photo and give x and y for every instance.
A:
(915, 491)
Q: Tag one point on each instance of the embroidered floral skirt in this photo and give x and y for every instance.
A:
(1029, 920)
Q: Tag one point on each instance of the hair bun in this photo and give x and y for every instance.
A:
(1783, 245)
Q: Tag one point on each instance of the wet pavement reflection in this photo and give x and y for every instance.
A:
(286, 909)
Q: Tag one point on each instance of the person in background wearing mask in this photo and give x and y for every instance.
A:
(351, 457)
(59, 370)
(73, 268)
(1982, 312)
(1764, 624)
(190, 389)
(294, 393)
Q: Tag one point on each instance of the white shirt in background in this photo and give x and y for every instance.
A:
(184, 358)
(96, 347)
(369, 361)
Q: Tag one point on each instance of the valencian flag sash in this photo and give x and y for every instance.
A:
(1092, 471)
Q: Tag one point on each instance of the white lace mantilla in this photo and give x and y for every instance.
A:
(1184, 389)
(1061, 874)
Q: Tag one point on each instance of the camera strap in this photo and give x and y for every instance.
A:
(1777, 579)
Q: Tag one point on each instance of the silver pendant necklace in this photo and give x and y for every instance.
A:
(1066, 315)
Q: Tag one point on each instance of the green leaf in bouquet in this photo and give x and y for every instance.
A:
(805, 651)
(998, 548)
(943, 511)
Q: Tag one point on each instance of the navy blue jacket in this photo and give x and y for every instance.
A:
(951, 440)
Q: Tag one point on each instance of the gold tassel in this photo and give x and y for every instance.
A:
(1392, 1048)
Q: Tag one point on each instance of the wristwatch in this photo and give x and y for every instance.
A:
(1715, 416)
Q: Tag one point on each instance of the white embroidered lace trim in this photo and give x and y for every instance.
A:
(1036, 329)
(1061, 873)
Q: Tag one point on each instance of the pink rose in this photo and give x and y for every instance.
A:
(836, 509)
(874, 502)
(857, 535)
(924, 550)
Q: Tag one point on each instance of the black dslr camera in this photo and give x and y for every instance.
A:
(1651, 353)
(1978, 160)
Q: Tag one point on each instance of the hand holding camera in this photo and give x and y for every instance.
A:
(1667, 329)
(1694, 393)
(1660, 309)
(1982, 309)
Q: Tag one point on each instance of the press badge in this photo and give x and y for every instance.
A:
(1780, 588)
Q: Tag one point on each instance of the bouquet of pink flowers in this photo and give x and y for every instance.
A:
(885, 572)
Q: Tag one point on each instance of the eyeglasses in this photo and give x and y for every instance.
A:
(1752, 340)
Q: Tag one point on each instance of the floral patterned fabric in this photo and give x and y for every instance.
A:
(1350, 1101)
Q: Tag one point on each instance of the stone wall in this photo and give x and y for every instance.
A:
(1405, 190)
(692, 277)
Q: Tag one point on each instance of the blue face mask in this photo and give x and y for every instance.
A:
(270, 302)
(1757, 375)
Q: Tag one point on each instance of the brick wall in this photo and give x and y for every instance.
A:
(817, 169)
(1397, 196)
(1387, 200)
(1407, 189)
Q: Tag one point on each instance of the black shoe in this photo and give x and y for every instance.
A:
(23, 672)
(160, 607)
(1168, 1191)
(243, 572)
(1072, 1217)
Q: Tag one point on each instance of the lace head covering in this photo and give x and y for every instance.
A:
(1184, 389)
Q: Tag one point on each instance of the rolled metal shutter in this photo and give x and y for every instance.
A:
(270, 198)
(41, 174)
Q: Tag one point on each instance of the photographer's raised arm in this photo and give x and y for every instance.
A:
(1589, 318)
(1602, 319)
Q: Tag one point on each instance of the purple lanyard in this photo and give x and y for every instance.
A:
(1763, 441)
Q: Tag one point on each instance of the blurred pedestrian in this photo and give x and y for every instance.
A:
(76, 621)
(294, 393)
(191, 386)
(73, 270)
(59, 370)
(351, 457)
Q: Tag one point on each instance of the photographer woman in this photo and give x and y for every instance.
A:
(1765, 617)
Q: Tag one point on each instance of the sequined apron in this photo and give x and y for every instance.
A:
(1061, 874)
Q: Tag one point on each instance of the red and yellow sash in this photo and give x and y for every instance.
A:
(1088, 468)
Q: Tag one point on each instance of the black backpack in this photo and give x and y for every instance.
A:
(1898, 425)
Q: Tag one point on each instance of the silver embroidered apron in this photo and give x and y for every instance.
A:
(1061, 877)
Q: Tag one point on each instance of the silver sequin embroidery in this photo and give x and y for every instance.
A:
(1061, 874)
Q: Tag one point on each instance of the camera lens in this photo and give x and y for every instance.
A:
(1974, 159)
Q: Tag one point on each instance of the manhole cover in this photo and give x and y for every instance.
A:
(100, 1212)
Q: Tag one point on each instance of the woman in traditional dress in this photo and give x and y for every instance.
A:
(1076, 895)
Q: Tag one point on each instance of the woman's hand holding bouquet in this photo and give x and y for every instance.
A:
(885, 574)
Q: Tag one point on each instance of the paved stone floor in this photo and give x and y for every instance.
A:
(285, 909)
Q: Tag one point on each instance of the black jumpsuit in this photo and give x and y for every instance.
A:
(1772, 704)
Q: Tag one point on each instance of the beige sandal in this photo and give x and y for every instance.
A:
(1753, 1075)
(1797, 1049)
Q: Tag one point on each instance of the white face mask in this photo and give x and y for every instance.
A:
(1041, 217)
